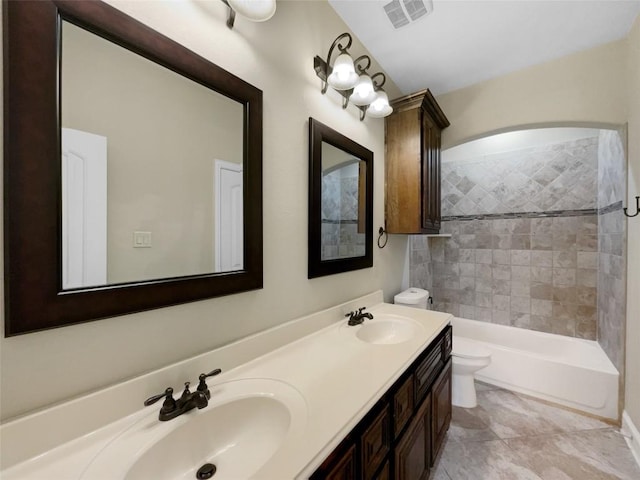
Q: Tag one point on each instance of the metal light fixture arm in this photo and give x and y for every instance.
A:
(342, 49)
(362, 70)
(231, 15)
(377, 85)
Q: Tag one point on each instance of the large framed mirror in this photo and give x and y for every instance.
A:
(132, 169)
(340, 202)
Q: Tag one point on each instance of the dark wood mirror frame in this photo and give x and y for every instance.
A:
(319, 133)
(34, 299)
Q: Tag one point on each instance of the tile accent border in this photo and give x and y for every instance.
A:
(631, 435)
(548, 213)
(339, 222)
(614, 207)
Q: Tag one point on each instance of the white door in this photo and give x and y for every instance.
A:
(84, 209)
(229, 231)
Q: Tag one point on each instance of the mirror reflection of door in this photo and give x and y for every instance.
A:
(228, 210)
(343, 204)
(84, 209)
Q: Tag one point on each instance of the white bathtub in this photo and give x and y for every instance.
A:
(564, 370)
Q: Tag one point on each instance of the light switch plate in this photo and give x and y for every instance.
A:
(141, 239)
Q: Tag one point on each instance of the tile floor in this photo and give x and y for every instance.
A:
(513, 437)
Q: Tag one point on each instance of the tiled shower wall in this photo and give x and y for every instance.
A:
(611, 246)
(536, 273)
(561, 176)
(340, 237)
(523, 249)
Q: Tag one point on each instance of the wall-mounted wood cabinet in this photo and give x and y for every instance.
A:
(399, 438)
(412, 163)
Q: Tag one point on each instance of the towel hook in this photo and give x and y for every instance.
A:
(637, 209)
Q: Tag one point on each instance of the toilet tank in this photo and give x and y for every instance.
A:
(412, 297)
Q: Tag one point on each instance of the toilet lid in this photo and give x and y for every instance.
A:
(465, 348)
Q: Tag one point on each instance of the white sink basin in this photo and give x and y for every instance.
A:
(387, 329)
(242, 428)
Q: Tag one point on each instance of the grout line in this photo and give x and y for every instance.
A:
(564, 432)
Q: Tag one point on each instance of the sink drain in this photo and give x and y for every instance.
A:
(206, 471)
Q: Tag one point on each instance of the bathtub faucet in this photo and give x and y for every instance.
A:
(356, 318)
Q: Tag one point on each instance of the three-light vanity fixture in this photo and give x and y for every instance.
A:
(351, 80)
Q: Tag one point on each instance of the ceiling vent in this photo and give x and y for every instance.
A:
(403, 12)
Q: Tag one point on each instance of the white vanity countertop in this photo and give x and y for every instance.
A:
(339, 376)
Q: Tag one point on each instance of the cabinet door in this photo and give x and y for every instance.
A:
(376, 442)
(403, 164)
(413, 451)
(341, 465)
(402, 405)
(430, 175)
(441, 410)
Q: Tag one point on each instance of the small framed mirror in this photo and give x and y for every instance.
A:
(340, 203)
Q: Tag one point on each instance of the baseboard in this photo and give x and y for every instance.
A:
(632, 436)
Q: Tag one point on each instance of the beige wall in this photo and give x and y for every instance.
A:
(43, 368)
(163, 134)
(580, 89)
(632, 393)
(332, 156)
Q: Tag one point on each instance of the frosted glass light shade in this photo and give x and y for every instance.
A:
(363, 92)
(255, 10)
(344, 74)
(380, 106)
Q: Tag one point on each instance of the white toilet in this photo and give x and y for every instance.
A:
(413, 297)
(467, 355)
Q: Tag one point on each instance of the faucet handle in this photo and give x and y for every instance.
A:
(168, 393)
(169, 404)
(202, 385)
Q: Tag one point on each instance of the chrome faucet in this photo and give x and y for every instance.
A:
(172, 408)
(356, 318)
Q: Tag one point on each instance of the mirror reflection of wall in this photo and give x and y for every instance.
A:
(343, 204)
(163, 135)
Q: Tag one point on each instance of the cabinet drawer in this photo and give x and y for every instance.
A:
(427, 371)
(402, 405)
(376, 442)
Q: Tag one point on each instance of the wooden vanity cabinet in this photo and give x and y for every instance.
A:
(399, 438)
(412, 163)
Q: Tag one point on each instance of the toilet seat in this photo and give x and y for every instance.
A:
(465, 348)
